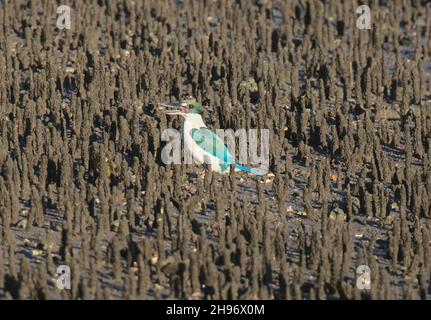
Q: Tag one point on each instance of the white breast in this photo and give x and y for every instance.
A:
(194, 121)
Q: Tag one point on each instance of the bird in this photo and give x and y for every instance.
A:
(205, 145)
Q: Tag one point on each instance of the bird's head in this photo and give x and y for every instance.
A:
(182, 108)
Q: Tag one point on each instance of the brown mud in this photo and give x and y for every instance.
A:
(82, 183)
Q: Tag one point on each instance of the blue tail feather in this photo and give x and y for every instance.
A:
(240, 167)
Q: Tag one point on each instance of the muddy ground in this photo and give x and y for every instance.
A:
(82, 183)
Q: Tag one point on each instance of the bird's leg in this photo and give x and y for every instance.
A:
(206, 165)
(207, 162)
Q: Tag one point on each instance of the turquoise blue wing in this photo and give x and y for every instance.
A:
(213, 144)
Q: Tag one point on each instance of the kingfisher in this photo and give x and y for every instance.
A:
(200, 141)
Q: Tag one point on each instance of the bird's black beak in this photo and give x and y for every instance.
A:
(170, 105)
(178, 108)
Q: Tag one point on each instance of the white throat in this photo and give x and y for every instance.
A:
(193, 120)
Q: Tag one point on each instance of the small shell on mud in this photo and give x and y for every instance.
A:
(22, 224)
(36, 252)
(154, 258)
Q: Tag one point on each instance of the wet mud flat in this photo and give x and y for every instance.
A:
(82, 183)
